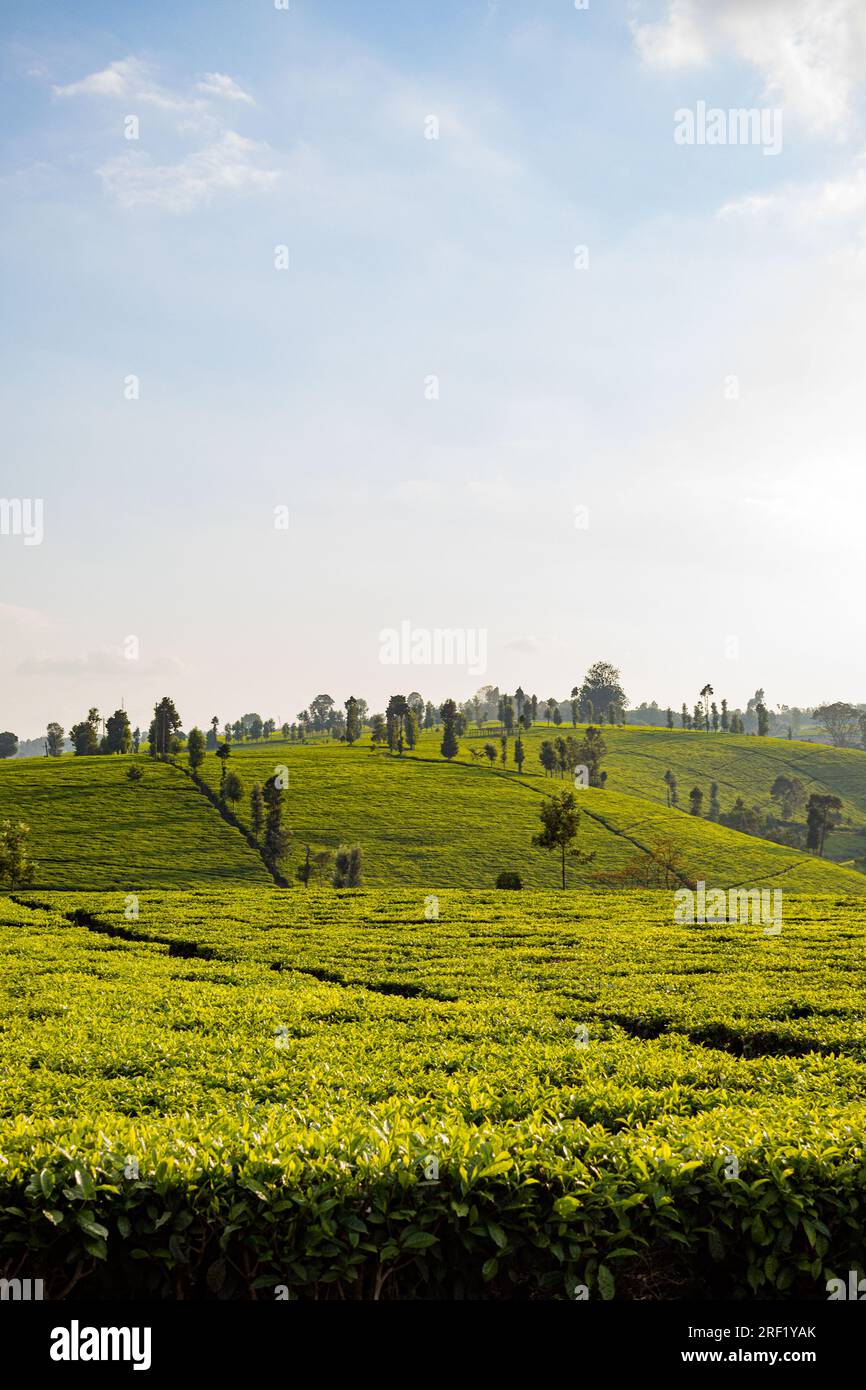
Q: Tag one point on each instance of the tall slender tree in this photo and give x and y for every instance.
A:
(257, 809)
(353, 721)
(276, 839)
(195, 749)
(449, 747)
(223, 753)
(55, 740)
(705, 696)
(166, 722)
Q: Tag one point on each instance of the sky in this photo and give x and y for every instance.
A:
(332, 321)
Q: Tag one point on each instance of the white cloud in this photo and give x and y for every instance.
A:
(816, 206)
(675, 42)
(231, 164)
(130, 80)
(810, 56)
(219, 84)
(532, 645)
(756, 206)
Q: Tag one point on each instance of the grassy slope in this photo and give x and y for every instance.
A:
(91, 828)
(422, 822)
(742, 766)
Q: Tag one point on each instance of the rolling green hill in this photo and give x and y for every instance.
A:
(420, 820)
(742, 765)
(90, 827)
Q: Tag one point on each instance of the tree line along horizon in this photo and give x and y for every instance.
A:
(600, 698)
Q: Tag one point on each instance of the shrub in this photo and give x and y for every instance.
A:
(509, 879)
(347, 867)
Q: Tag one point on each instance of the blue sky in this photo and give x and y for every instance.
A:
(696, 387)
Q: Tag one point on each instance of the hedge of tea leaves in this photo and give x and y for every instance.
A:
(347, 1095)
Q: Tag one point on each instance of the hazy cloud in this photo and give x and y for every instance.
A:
(231, 164)
(104, 662)
(219, 84)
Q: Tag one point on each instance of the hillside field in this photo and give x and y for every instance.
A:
(528, 1096)
(90, 827)
(420, 820)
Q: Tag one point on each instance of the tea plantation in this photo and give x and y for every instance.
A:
(424, 822)
(344, 1095)
(91, 827)
(421, 821)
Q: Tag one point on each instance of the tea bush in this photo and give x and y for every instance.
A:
(242, 1090)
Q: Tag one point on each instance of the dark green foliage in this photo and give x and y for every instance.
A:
(16, 866)
(509, 879)
(276, 840)
(347, 867)
(395, 714)
(353, 721)
(747, 819)
(547, 757)
(602, 687)
(790, 793)
(590, 754)
(223, 753)
(118, 735)
(560, 819)
(232, 788)
(195, 748)
(410, 728)
(843, 722)
(822, 814)
(55, 740)
(164, 727)
(85, 736)
(449, 748)
(257, 809)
